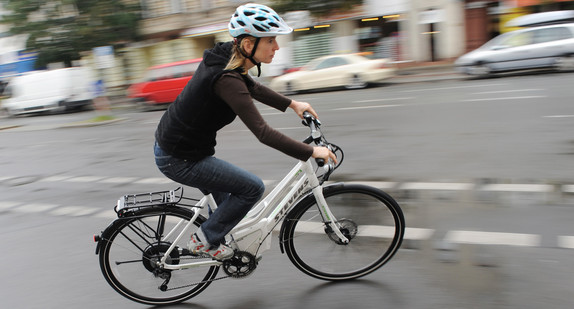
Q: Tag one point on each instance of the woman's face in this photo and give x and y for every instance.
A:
(265, 50)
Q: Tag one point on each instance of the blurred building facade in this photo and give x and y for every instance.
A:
(13, 58)
(404, 30)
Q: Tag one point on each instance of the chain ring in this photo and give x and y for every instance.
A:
(241, 265)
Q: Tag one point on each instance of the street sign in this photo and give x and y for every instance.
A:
(104, 57)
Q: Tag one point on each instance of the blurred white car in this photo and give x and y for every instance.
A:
(529, 48)
(350, 71)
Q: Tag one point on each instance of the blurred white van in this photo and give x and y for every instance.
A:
(54, 90)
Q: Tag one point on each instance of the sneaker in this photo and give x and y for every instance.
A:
(198, 247)
(195, 245)
(222, 252)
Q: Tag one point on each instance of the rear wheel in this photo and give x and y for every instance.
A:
(370, 219)
(290, 89)
(130, 248)
(356, 82)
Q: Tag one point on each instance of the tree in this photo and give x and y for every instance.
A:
(316, 7)
(60, 30)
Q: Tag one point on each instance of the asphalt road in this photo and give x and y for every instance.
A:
(482, 168)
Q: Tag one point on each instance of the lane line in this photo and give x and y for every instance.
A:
(436, 186)
(73, 211)
(34, 208)
(505, 98)
(5, 205)
(453, 88)
(507, 91)
(366, 107)
(85, 179)
(540, 188)
(566, 242)
(493, 238)
(383, 100)
(559, 116)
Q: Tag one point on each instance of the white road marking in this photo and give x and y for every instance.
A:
(559, 116)
(84, 179)
(505, 98)
(73, 211)
(34, 208)
(413, 233)
(453, 88)
(383, 100)
(493, 238)
(119, 180)
(566, 242)
(156, 181)
(507, 91)
(55, 178)
(540, 188)
(366, 107)
(7, 205)
(436, 186)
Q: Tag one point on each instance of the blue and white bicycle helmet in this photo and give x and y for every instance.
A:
(257, 20)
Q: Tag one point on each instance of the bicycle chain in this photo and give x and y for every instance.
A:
(196, 283)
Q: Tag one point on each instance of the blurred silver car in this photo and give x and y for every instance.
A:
(350, 71)
(530, 48)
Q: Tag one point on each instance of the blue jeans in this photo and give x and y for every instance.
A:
(235, 190)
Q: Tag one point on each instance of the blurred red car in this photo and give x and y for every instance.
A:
(163, 83)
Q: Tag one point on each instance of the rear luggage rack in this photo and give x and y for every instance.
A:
(150, 199)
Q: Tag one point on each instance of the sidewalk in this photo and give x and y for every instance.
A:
(413, 72)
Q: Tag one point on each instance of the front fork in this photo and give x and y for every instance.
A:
(327, 215)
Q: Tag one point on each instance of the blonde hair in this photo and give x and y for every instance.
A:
(237, 59)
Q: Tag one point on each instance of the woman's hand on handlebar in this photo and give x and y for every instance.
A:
(320, 152)
(301, 107)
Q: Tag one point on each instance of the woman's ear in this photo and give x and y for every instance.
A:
(247, 45)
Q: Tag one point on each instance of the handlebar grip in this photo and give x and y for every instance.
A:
(320, 162)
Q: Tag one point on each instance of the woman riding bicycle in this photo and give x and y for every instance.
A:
(219, 91)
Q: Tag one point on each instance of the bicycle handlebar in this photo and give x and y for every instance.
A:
(318, 138)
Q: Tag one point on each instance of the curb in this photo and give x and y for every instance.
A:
(87, 123)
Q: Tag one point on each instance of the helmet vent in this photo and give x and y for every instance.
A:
(259, 28)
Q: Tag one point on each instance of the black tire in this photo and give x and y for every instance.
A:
(480, 70)
(370, 218)
(356, 82)
(290, 89)
(564, 63)
(128, 248)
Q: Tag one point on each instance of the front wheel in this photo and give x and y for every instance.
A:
(130, 248)
(356, 82)
(371, 220)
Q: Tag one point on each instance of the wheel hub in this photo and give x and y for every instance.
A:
(155, 252)
(347, 227)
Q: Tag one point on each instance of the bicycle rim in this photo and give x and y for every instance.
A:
(371, 220)
(134, 244)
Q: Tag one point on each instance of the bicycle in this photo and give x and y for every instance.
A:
(332, 232)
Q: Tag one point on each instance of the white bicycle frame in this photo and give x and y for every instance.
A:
(253, 233)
